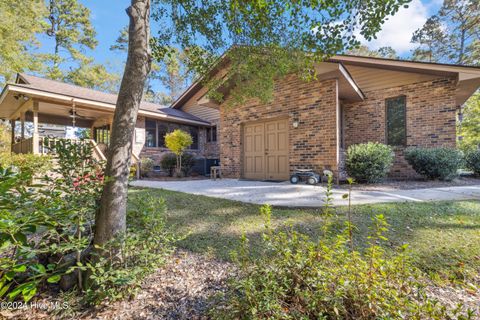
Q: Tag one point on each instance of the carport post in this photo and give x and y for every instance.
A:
(22, 120)
(36, 140)
(12, 125)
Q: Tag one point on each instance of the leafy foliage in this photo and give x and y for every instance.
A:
(451, 35)
(469, 127)
(299, 278)
(472, 161)
(146, 166)
(70, 27)
(44, 229)
(30, 164)
(270, 38)
(143, 249)
(435, 163)
(178, 141)
(21, 21)
(169, 163)
(369, 162)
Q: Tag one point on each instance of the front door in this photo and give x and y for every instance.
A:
(266, 150)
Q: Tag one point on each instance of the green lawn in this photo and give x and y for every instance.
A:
(444, 237)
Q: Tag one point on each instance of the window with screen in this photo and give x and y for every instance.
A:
(156, 131)
(396, 122)
(212, 134)
(151, 133)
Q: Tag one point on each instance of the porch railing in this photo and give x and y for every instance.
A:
(45, 146)
(23, 146)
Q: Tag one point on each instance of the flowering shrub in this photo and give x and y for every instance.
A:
(58, 212)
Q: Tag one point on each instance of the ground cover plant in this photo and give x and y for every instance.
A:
(46, 232)
(443, 236)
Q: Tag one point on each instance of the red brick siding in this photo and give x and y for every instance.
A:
(431, 116)
(312, 145)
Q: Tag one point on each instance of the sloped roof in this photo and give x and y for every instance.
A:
(74, 91)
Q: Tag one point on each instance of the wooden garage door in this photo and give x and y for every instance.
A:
(266, 150)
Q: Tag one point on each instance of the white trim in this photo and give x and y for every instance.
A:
(87, 102)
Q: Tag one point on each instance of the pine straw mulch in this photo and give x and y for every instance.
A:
(188, 286)
(185, 288)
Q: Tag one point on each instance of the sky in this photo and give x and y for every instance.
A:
(109, 17)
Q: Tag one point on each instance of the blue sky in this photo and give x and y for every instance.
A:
(108, 17)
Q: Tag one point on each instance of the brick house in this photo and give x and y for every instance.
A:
(306, 125)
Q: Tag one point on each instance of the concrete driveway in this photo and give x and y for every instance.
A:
(301, 195)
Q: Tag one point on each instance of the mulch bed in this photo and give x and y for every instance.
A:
(191, 284)
(186, 288)
(389, 185)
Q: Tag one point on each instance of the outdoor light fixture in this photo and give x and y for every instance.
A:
(295, 123)
(21, 97)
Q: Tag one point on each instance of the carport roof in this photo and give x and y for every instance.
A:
(40, 87)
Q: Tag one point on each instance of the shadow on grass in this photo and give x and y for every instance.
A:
(440, 234)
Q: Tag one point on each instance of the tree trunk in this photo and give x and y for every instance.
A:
(110, 220)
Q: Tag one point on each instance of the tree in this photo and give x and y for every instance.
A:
(20, 22)
(469, 128)
(428, 37)
(451, 35)
(171, 71)
(270, 38)
(383, 52)
(71, 29)
(178, 141)
(110, 220)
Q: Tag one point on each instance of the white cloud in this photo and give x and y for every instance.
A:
(397, 30)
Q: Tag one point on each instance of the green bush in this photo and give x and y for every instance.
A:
(472, 161)
(144, 248)
(299, 278)
(369, 162)
(34, 165)
(435, 163)
(146, 166)
(58, 213)
(169, 163)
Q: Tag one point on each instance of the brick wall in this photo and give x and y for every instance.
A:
(312, 145)
(431, 116)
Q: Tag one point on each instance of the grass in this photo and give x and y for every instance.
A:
(444, 237)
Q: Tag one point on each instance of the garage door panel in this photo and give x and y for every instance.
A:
(266, 150)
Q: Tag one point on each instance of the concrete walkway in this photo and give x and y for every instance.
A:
(301, 195)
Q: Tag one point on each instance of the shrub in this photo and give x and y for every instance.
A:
(146, 166)
(299, 278)
(188, 160)
(169, 162)
(143, 248)
(59, 215)
(178, 141)
(369, 162)
(472, 161)
(435, 163)
(31, 164)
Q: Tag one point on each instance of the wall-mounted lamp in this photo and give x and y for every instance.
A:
(295, 123)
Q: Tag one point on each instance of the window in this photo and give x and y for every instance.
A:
(156, 131)
(162, 131)
(396, 123)
(151, 133)
(102, 135)
(212, 134)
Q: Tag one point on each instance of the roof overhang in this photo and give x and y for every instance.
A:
(467, 77)
(11, 107)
